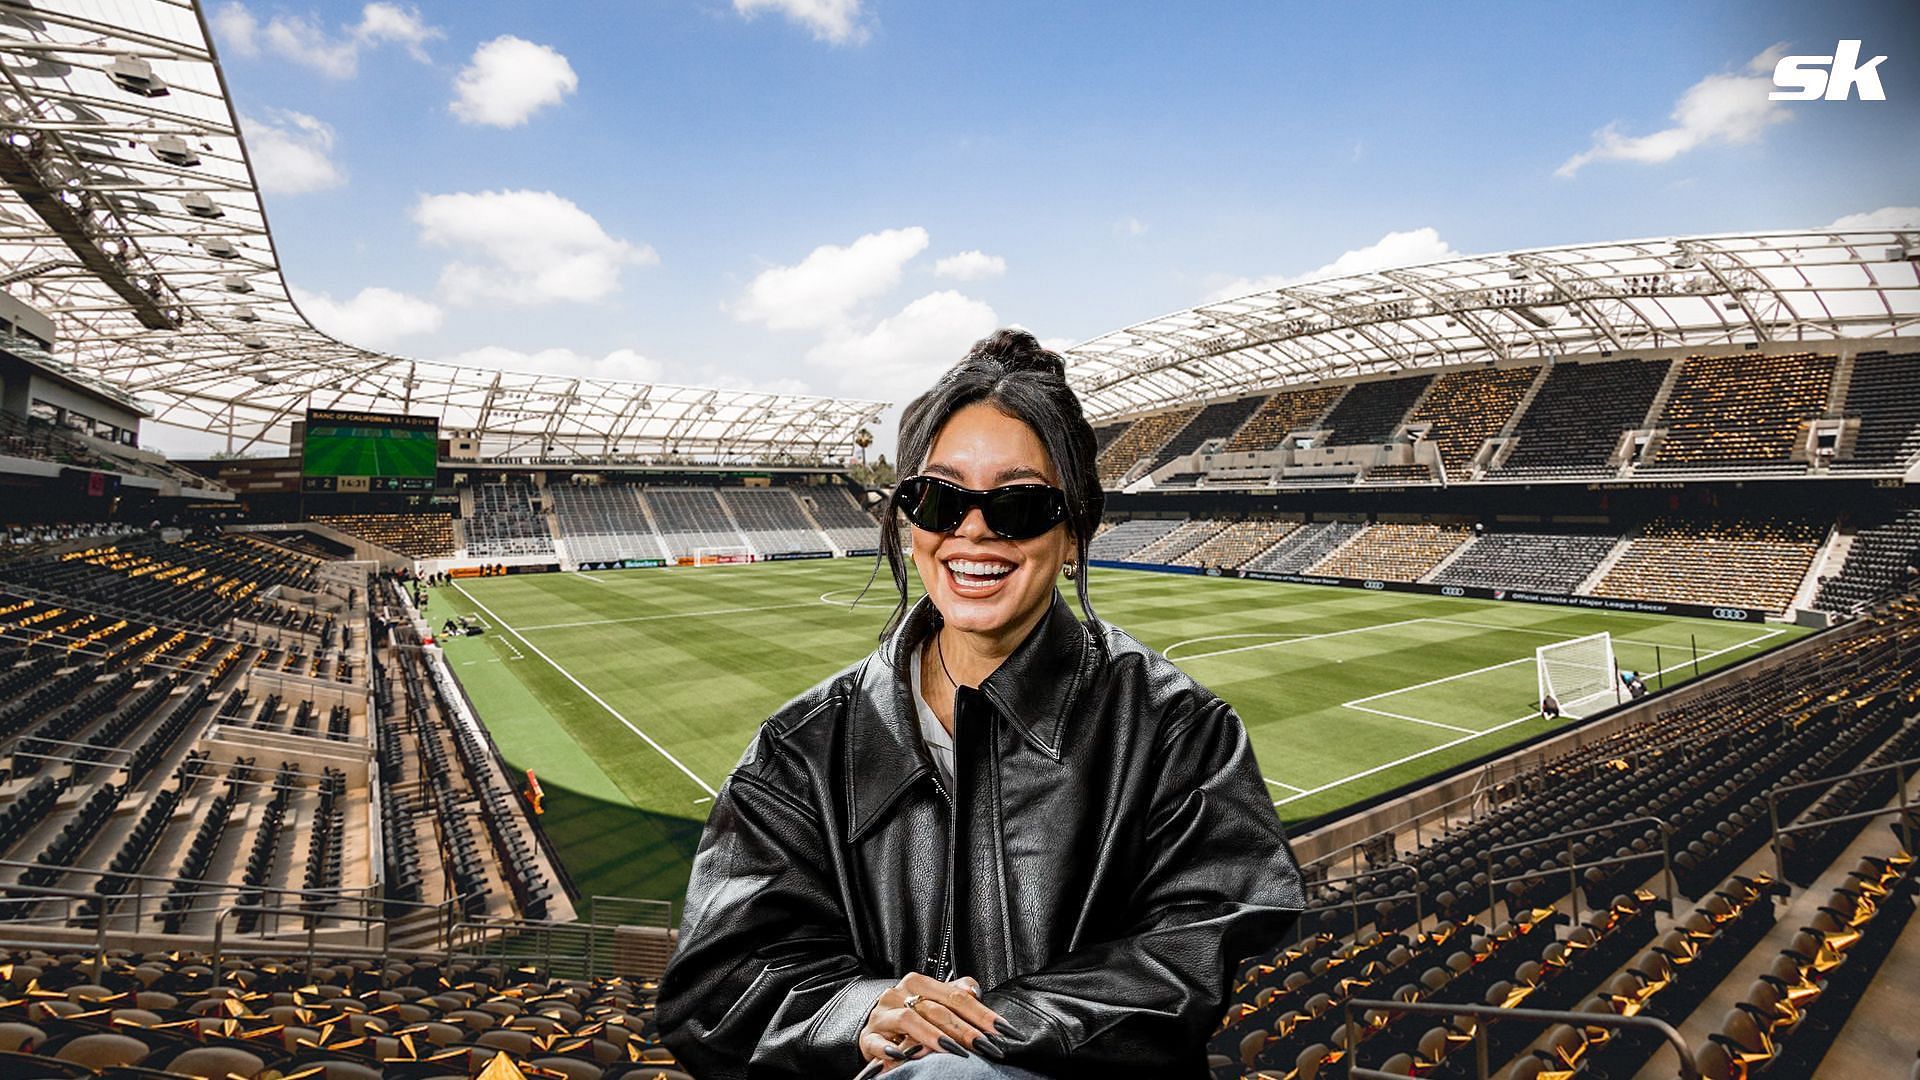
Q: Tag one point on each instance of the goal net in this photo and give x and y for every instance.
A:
(718, 556)
(1579, 674)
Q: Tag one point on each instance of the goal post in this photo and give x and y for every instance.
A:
(720, 556)
(1580, 674)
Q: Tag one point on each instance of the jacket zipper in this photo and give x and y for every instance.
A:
(946, 921)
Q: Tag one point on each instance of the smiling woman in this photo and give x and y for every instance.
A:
(1007, 843)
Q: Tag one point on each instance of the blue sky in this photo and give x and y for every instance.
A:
(772, 193)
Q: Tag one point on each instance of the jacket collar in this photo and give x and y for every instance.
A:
(1034, 689)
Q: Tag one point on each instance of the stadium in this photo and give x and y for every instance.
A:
(1567, 595)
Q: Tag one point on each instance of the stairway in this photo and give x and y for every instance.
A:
(1842, 384)
(1600, 572)
(1658, 407)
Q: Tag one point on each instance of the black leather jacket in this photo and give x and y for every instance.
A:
(1113, 853)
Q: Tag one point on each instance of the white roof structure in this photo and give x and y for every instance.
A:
(131, 217)
(1690, 292)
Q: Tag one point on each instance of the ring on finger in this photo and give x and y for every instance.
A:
(913, 999)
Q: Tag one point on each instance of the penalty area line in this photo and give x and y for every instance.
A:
(598, 700)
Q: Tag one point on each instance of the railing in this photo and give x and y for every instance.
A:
(1574, 866)
(1903, 803)
(1483, 1067)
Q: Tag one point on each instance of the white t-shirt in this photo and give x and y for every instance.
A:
(932, 732)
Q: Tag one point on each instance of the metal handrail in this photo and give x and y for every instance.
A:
(1574, 866)
(1902, 804)
(220, 928)
(1688, 1071)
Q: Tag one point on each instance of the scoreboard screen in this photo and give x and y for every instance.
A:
(365, 451)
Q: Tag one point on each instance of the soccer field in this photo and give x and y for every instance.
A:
(632, 694)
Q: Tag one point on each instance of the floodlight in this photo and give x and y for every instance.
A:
(201, 205)
(238, 284)
(220, 247)
(174, 150)
(135, 76)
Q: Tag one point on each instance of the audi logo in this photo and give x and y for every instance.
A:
(1375, 585)
(1731, 614)
(1452, 590)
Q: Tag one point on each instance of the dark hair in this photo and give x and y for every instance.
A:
(1013, 372)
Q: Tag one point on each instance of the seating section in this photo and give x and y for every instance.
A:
(422, 536)
(1286, 411)
(1394, 552)
(173, 1012)
(1184, 538)
(504, 521)
(1371, 411)
(1400, 474)
(1575, 422)
(1235, 544)
(1304, 547)
(840, 517)
(1753, 563)
(1141, 439)
(1884, 392)
(690, 519)
(773, 521)
(1741, 412)
(602, 522)
(1217, 421)
(1876, 566)
(1543, 562)
(1571, 851)
(1127, 538)
(1466, 408)
(1104, 434)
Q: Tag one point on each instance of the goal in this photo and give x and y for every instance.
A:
(719, 556)
(1579, 674)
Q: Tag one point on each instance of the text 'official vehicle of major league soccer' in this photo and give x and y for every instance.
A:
(1833, 77)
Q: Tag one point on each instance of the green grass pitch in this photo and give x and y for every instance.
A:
(352, 451)
(632, 694)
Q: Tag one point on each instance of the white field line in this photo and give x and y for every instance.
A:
(1561, 635)
(602, 702)
(517, 654)
(1415, 756)
(1168, 652)
(668, 615)
(1356, 702)
(585, 576)
(1278, 784)
(1409, 719)
(1364, 773)
(1298, 640)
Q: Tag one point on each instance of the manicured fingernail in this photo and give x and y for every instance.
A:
(985, 1045)
(952, 1047)
(904, 1055)
(1002, 1027)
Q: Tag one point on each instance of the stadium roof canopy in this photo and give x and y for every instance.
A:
(132, 218)
(1692, 292)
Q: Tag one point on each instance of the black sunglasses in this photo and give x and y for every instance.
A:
(1014, 512)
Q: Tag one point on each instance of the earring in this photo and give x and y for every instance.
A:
(1071, 569)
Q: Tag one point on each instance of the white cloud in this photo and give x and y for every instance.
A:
(837, 21)
(237, 29)
(373, 317)
(508, 80)
(899, 357)
(970, 266)
(292, 153)
(524, 247)
(821, 290)
(1887, 217)
(1058, 344)
(304, 41)
(1722, 108)
(1129, 227)
(1409, 248)
(624, 365)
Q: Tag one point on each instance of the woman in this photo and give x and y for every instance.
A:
(1006, 843)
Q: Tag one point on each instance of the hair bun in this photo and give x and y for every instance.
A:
(1019, 350)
